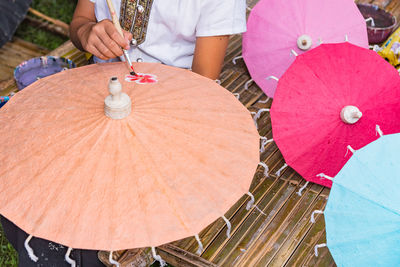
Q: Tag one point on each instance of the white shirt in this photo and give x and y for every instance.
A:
(175, 24)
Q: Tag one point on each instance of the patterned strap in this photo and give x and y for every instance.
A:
(134, 17)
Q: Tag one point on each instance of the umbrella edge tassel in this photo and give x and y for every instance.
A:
(29, 250)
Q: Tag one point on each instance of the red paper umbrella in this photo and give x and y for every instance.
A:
(332, 97)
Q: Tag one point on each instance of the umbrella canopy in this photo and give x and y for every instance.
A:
(277, 27)
(72, 175)
(363, 211)
(329, 98)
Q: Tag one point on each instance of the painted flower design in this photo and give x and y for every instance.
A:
(141, 78)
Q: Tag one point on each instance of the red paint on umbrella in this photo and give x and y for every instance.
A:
(141, 78)
(305, 114)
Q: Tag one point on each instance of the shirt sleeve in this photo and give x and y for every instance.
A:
(221, 17)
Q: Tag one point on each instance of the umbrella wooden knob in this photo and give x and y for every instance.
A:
(304, 42)
(350, 114)
(118, 104)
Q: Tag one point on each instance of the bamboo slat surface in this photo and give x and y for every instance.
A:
(15, 52)
(280, 232)
(11, 55)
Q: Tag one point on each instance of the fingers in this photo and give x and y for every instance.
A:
(115, 36)
(93, 50)
(96, 46)
(105, 51)
(128, 36)
(105, 42)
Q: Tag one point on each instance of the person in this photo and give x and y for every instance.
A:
(48, 253)
(191, 34)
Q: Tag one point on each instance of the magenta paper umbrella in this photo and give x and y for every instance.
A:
(331, 97)
(279, 30)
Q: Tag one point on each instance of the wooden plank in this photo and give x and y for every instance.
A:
(278, 231)
(381, 3)
(309, 240)
(297, 223)
(179, 257)
(28, 45)
(324, 256)
(394, 8)
(216, 228)
(227, 83)
(250, 230)
(126, 258)
(6, 73)
(235, 43)
(240, 216)
(41, 24)
(250, 98)
(235, 51)
(18, 48)
(237, 86)
(366, 1)
(252, 3)
(7, 87)
(57, 22)
(244, 232)
(12, 58)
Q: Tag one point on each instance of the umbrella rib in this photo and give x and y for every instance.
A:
(210, 171)
(366, 197)
(28, 156)
(192, 136)
(368, 236)
(83, 140)
(90, 119)
(167, 192)
(215, 126)
(51, 200)
(142, 206)
(292, 160)
(203, 140)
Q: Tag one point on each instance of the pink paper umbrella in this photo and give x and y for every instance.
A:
(279, 30)
(332, 97)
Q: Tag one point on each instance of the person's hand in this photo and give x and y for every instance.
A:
(103, 40)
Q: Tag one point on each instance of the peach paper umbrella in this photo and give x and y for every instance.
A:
(278, 30)
(184, 155)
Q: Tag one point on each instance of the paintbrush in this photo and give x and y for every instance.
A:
(119, 29)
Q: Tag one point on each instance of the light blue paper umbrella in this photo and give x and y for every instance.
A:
(363, 212)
